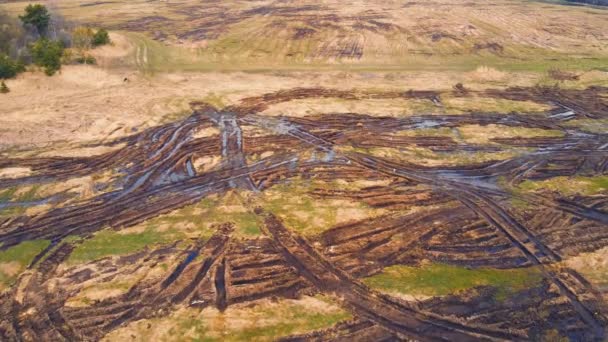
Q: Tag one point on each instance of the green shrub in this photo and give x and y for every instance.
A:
(86, 59)
(9, 68)
(82, 38)
(37, 16)
(3, 88)
(101, 37)
(47, 54)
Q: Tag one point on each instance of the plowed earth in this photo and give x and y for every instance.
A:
(465, 218)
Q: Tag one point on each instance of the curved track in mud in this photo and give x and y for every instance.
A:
(468, 220)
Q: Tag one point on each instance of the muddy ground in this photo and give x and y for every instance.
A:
(468, 215)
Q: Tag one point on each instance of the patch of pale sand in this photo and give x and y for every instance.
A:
(87, 103)
(83, 187)
(204, 164)
(488, 74)
(137, 229)
(482, 134)
(22, 191)
(254, 131)
(120, 47)
(266, 154)
(163, 227)
(303, 215)
(330, 212)
(344, 215)
(389, 107)
(96, 289)
(242, 316)
(183, 225)
(198, 211)
(38, 209)
(15, 172)
(93, 295)
(150, 329)
(594, 266)
(215, 324)
(10, 268)
(364, 183)
(201, 44)
(82, 103)
(82, 151)
(87, 76)
(206, 133)
(191, 229)
(317, 305)
(409, 297)
(488, 104)
(22, 287)
(233, 209)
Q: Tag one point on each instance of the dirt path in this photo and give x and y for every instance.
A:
(464, 218)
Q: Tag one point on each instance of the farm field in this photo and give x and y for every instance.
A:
(310, 171)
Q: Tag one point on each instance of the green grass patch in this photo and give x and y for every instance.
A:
(216, 100)
(487, 104)
(110, 242)
(199, 220)
(15, 259)
(230, 208)
(296, 319)
(427, 157)
(590, 125)
(568, 185)
(309, 215)
(442, 279)
(15, 194)
(258, 321)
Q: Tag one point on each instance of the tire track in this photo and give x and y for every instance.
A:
(403, 320)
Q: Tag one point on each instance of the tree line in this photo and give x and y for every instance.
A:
(45, 40)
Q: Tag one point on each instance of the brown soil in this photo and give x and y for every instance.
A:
(456, 215)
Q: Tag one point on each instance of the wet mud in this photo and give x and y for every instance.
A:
(465, 217)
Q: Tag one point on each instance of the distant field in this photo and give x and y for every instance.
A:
(444, 34)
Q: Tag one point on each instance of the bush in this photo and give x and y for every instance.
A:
(47, 54)
(82, 38)
(9, 68)
(101, 37)
(3, 88)
(87, 59)
(67, 57)
(37, 16)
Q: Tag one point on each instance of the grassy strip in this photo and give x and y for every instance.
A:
(442, 279)
(229, 54)
(14, 195)
(14, 260)
(568, 186)
(309, 215)
(109, 242)
(193, 221)
(259, 321)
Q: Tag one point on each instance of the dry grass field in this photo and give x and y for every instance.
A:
(310, 171)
